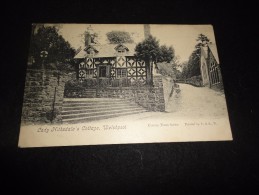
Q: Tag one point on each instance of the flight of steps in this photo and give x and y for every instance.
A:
(90, 109)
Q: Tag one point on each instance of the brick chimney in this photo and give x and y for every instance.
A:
(88, 36)
(146, 31)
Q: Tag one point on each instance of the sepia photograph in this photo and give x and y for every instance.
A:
(91, 84)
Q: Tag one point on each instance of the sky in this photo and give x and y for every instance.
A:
(181, 37)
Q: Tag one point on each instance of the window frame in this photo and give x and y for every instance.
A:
(119, 73)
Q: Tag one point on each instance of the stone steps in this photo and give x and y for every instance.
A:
(100, 113)
(90, 109)
(89, 104)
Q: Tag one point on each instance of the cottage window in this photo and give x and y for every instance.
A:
(89, 73)
(121, 51)
(121, 73)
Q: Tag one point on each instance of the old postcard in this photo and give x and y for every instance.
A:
(90, 84)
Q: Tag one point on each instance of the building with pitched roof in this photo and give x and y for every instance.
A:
(110, 62)
(210, 67)
(113, 71)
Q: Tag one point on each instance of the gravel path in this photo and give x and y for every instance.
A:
(192, 102)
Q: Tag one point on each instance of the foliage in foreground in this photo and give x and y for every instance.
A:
(59, 51)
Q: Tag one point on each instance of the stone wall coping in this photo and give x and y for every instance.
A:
(130, 88)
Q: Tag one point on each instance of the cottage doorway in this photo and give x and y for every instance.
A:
(102, 71)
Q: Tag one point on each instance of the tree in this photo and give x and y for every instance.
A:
(184, 72)
(176, 66)
(117, 37)
(148, 51)
(48, 39)
(193, 66)
(202, 38)
(166, 54)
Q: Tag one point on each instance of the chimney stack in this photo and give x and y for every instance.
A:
(146, 31)
(88, 36)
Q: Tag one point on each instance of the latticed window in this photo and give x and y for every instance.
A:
(121, 51)
(87, 69)
(121, 72)
(89, 73)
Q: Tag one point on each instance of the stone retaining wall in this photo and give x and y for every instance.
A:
(44, 93)
(151, 98)
(44, 90)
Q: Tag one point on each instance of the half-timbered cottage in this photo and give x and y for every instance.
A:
(113, 72)
(110, 63)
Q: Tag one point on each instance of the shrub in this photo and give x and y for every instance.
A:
(88, 83)
(73, 84)
(195, 80)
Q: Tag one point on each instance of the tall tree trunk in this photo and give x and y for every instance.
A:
(151, 73)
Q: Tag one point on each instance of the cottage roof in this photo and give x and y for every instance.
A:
(213, 49)
(166, 68)
(107, 50)
(204, 51)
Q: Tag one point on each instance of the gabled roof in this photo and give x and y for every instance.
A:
(91, 47)
(108, 50)
(204, 51)
(121, 46)
(213, 49)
